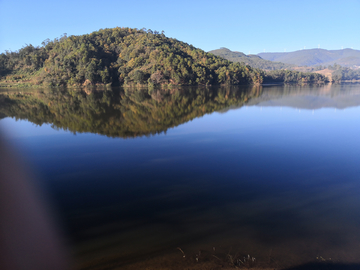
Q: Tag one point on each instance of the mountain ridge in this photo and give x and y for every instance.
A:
(313, 57)
(252, 60)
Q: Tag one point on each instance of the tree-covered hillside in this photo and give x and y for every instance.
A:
(340, 73)
(121, 56)
(254, 61)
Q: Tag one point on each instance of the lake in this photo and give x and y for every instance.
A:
(144, 177)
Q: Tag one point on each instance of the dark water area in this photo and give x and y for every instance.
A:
(268, 171)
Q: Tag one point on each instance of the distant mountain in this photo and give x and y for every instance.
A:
(314, 57)
(251, 59)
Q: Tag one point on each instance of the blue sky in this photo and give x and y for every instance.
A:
(246, 26)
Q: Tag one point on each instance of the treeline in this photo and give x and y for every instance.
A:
(339, 73)
(290, 76)
(344, 73)
(121, 56)
(23, 63)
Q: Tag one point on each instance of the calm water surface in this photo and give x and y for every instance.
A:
(268, 171)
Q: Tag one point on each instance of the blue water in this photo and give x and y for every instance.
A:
(255, 178)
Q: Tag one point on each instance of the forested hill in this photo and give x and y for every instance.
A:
(314, 57)
(254, 61)
(120, 56)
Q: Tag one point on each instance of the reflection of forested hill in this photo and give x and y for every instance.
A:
(131, 113)
(120, 113)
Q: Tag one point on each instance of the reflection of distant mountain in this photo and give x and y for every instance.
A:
(313, 102)
(328, 96)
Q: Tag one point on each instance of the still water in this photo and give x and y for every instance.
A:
(269, 171)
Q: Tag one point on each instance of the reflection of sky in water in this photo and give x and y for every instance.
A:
(257, 177)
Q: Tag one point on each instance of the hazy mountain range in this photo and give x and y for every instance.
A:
(314, 57)
(251, 59)
(280, 60)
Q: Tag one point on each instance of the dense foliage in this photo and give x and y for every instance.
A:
(121, 56)
(343, 73)
(289, 76)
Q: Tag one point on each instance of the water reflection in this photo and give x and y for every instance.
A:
(119, 113)
(277, 184)
(133, 112)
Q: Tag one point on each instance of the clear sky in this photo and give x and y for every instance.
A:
(246, 26)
